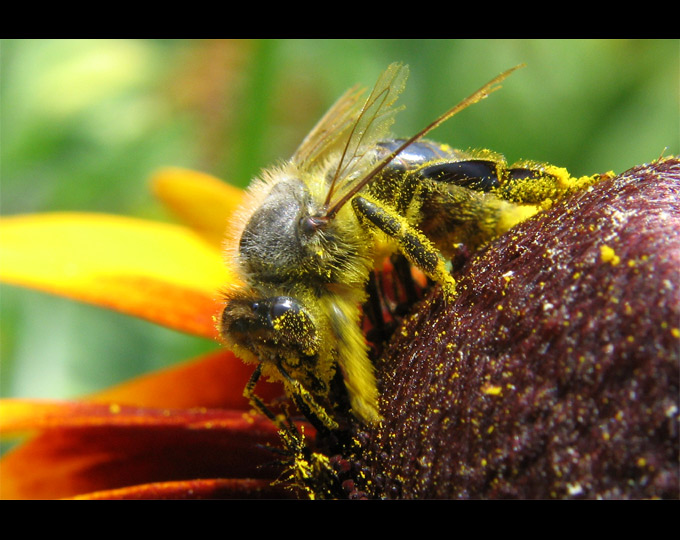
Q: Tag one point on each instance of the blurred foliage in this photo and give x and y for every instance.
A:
(84, 123)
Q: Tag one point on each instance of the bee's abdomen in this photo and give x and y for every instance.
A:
(416, 154)
(441, 163)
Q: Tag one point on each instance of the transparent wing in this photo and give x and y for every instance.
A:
(352, 128)
(327, 135)
(372, 124)
(378, 114)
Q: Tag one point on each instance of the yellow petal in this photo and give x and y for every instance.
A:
(199, 200)
(160, 272)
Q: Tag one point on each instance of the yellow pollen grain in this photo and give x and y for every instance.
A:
(607, 254)
(492, 390)
(114, 408)
(675, 332)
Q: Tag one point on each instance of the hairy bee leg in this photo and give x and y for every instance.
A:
(352, 357)
(413, 244)
(313, 418)
(257, 403)
(403, 270)
(373, 308)
(320, 425)
(535, 183)
(308, 400)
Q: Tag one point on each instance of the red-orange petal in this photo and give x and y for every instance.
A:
(214, 380)
(89, 447)
(19, 415)
(160, 272)
(199, 200)
(216, 488)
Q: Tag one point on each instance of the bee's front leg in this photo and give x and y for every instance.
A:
(305, 401)
(413, 244)
(258, 404)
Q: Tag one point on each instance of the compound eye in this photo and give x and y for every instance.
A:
(291, 325)
(282, 305)
(270, 313)
(277, 325)
(477, 174)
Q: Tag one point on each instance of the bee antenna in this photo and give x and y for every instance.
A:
(480, 94)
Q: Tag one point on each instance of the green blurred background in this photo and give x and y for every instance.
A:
(85, 123)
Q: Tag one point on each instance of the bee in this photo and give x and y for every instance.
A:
(313, 229)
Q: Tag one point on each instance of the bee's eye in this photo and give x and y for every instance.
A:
(282, 305)
(279, 323)
(267, 311)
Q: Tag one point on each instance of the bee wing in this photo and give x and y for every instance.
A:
(373, 123)
(327, 135)
(352, 128)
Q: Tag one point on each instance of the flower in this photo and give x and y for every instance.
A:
(183, 432)
(553, 373)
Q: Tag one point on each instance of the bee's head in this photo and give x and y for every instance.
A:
(269, 328)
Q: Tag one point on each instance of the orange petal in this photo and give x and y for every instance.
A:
(160, 272)
(20, 415)
(91, 447)
(218, 488)
(199, 200)
(213, 380)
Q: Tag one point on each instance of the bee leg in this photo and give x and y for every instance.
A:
(352, 357)
(373, 310)
(528, 182)
(255, 401)
(413, 244)
(402, 269)
(307, 404)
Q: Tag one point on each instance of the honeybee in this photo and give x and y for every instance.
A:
(313, 229)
